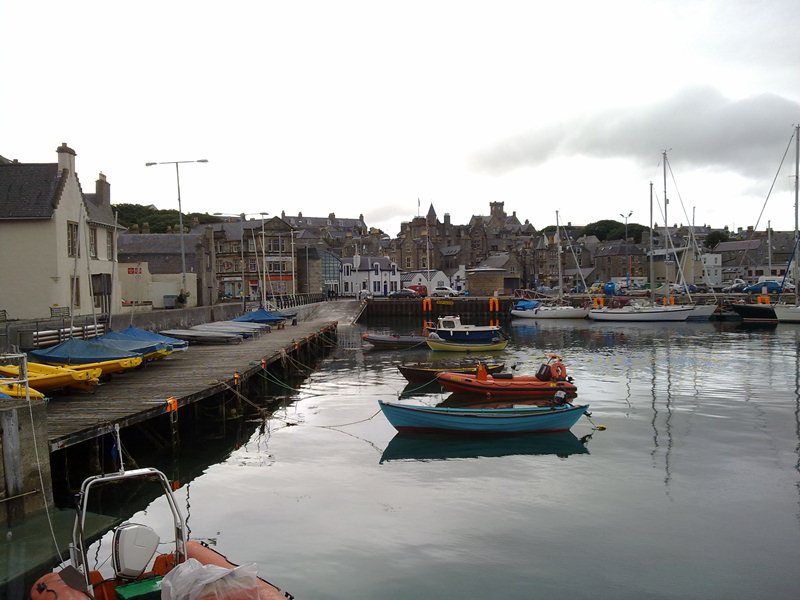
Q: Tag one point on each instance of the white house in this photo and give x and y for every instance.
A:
(430, 279)
(376, 275)
(58, 244)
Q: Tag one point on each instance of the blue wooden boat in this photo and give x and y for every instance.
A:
(518, 419)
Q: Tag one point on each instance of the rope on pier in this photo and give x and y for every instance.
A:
(243, 397)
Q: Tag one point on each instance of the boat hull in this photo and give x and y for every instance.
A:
(394, 341)
(476, 420)
(702, 312)
(638, 314)
(520, 386)
(445, 346)
(425, 374)
(787, 313)
(552, 312)
(755, 313)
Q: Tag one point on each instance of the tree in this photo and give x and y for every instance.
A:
(159, 221)
(714, 238)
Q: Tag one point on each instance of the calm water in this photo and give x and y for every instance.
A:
(693, 491)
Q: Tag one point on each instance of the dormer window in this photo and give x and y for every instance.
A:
(347, 270)
(377, 269)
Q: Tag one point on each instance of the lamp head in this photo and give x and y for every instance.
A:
(149, 164)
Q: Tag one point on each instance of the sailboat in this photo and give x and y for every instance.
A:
(787, 313)
(767, 313)
(533, 309)
(639, 312)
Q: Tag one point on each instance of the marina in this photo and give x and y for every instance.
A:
(689, 445)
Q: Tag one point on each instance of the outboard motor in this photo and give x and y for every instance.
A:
(543, 373)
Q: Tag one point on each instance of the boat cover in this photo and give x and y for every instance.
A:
(76, 351)
(260, 315)
(526, 304)
(131, 345)
(5, 396)
(134, 333)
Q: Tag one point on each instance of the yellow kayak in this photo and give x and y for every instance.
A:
(107, 367)
(16, 390)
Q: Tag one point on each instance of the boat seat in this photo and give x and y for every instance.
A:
(133, 546)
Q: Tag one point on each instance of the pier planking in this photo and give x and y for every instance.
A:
(200, 372)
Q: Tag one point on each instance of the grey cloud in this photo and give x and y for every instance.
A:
(700, 126)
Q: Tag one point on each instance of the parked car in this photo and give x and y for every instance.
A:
(773, 287)
(422, 290)
(736, 286)
(404, 293)
(445, 291)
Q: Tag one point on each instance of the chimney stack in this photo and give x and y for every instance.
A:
(66, 158)
(102, 190)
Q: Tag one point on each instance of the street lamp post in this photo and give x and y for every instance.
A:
(177, 164)
(627, 255)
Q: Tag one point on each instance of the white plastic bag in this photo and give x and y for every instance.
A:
(192, 580)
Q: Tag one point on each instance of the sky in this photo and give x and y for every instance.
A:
(382, 108)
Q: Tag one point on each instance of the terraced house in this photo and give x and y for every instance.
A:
(58, 244)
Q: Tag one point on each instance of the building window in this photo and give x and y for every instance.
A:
(377, 269)
(74, 290)
(73, 249)
(346, 287)
(251, 264)
(110, 255)
(376, 287)
(408, 262)
(347, 270)
(394, 269)
(93, 241)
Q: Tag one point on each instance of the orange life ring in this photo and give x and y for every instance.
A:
(558, 370)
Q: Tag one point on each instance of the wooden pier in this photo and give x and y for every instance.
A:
(198, 373)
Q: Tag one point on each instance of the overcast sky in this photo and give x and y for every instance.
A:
(366, 107)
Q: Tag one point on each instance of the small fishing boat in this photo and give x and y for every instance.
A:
(423, 373)
(523, 419)
(438, 344)
(391, 341)
(550, 380)
(138, 571)
(451, 329)
(245, 330)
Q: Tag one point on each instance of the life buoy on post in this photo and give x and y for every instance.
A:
(494, 304)
(598, 302)
(672, 300)
(427, 305)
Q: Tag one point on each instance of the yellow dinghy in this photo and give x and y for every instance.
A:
(15, 390)
(445, 346)
(48, 378)
(109, 367)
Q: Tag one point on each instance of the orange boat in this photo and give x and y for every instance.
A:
(550, 379)
(138, 572)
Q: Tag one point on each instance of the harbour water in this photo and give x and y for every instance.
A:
(692, 491)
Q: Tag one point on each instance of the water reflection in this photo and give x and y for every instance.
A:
(430, 447)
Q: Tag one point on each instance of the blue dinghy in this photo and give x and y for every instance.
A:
(76, 351)
(260, 315)
(134, 333)
(519, 419)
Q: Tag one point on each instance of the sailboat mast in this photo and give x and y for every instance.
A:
(652, 288)
(796, 187)
(558, 259)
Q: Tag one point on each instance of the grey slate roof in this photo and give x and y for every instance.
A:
(97, 211)
(29, 191)
(737, 246)
(156, 243)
